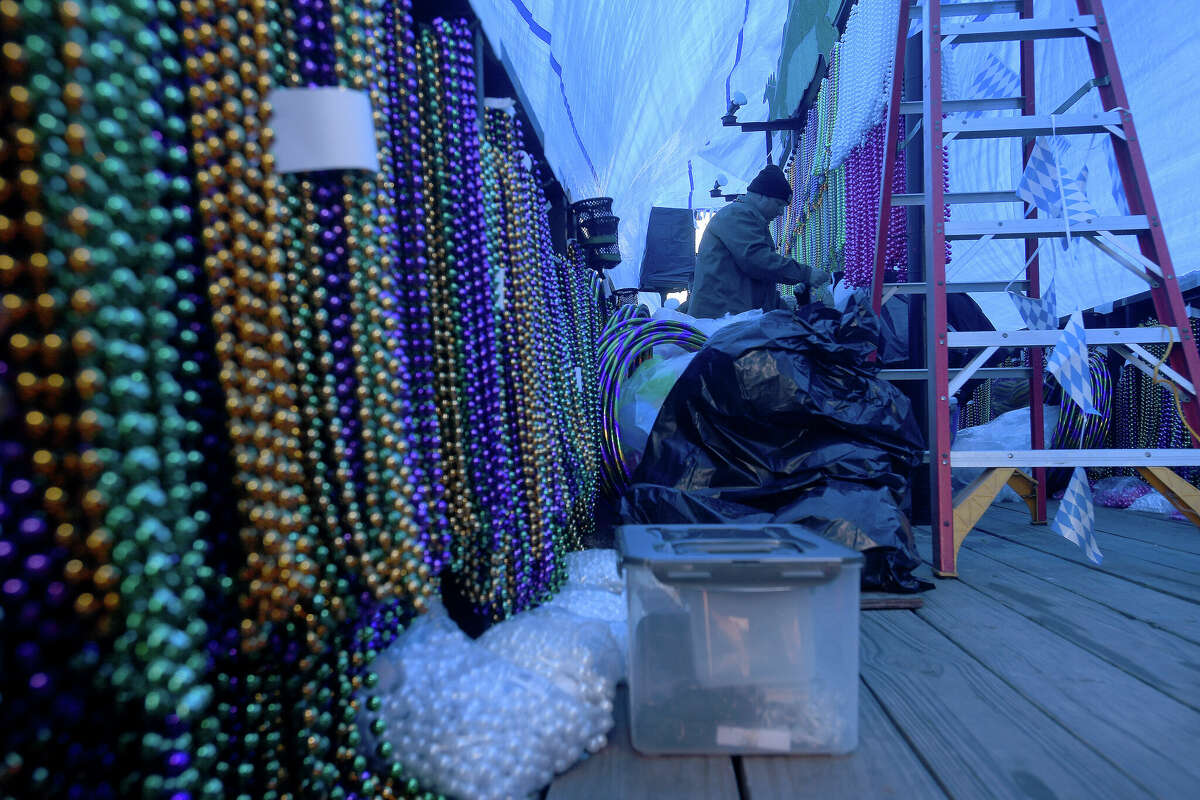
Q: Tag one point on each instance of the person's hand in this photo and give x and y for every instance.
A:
(819, 278)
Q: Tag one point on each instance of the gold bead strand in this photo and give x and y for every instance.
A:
(241, 207)
(457, 491)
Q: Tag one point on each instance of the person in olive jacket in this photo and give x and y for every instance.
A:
(737, 266)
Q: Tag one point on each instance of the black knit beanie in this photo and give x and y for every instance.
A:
(772, 183)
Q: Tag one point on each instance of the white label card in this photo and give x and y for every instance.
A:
(757, 738)
(325, 127)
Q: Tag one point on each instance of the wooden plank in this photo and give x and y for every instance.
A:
(1162, 611)
(1177, 561)
(1154, 528)
(883, 766)
(1179, 492)
(972, 501)
(620, 771)
(1149, 736)
(1169, 663)
(1145, 527)
(1118, 558)
(877, 601)
(979, 736)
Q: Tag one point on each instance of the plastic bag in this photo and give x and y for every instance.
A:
(642, 396)
(1119, 492)
(708, 327)
(595, 569)
(1006, 432)
(1152, 502)
(785, 418)
(471, 723)
(842, 292)
(597, 604)
(575, 654)
(859, 517)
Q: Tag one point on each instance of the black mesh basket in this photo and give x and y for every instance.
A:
(626, 297)
(591, 208)
(598, 230)
(605, 256)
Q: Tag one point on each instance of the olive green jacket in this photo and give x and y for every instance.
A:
(737, 266)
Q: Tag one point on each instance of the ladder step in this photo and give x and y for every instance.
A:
(955, 198)
(1020, 29)
(1034, 125)
(959, 106)
(975, 9)
(1183, 457)
(1044, 228)
(957, 288)
(1050, 338)
(982, 372)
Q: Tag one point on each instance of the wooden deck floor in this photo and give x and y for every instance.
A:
(1034, 675)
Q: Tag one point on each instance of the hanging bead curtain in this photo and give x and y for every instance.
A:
(249, 422)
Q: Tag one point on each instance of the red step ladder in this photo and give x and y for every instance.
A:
(953, 516)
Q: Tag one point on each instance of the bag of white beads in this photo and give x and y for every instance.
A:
(471, 724)
(595, 590)
(595, 569)
(577, 655)
(600, 605)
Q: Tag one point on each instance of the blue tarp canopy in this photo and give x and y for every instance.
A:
(627, 97)
(627, 92)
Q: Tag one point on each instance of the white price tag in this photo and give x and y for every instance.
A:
(324, 127)
(779, 739)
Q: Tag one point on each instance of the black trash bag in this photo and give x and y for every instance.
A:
(893, 344)
(782, 419)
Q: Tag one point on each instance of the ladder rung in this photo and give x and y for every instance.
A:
(955, 198)
(1019, 29)
(1182, 457)
(1034, 125)
(975, 9)
(1044, 227)
(958, 288)
(982, 372)
(974, 104)
(1051, 338)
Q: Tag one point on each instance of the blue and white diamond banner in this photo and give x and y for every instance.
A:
(994, 79)
(1076, 517)
(1041, 182)
(1069, 364)
(1118, 187)
(1045, 184)
(1039, 314)
(1077, 208)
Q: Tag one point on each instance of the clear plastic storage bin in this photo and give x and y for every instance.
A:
(743, 639)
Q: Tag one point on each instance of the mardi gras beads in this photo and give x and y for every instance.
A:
(139, 516)
(407, 301)
(327, 369)
(440, 226)
(44, 693)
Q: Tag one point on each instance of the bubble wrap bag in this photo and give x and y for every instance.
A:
(471, 724)
(595, 569)
(597, 604)
(577, 655)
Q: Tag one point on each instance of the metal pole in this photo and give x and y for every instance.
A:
(1037, 430)
(941, 501)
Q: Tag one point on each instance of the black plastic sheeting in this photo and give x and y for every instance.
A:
(783, 419)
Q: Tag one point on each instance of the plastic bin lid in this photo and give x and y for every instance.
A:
(734, 553)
